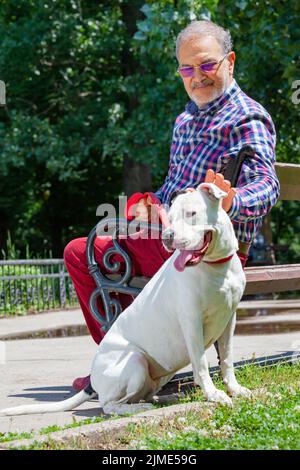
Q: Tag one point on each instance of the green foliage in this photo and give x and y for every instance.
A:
(271, 420)
(267, 40)
(18, 297)
(285, 228)
(21, 296)
(11, 252)
(61, 66)
(91, 84)
(155, 81)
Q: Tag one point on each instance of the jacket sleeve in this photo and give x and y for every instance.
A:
(258, 185)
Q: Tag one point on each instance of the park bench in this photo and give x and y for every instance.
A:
(260, 279)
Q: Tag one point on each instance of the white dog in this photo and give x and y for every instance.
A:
(188, 305)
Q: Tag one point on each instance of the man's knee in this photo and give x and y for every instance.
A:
(74, 251)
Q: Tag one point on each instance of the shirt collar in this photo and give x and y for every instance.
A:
(216, 104)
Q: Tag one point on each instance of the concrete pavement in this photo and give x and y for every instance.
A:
(43, 370)
(41, 354)
(251, 318)
(48, 324)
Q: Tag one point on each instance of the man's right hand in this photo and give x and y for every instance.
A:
(143, 210)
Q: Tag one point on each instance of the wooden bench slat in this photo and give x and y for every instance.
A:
(272, 286)
(277, 278)
(274, 268)
(261, 279)
(289, 177)
(138, 282)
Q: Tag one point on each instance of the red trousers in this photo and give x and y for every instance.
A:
(147, 257)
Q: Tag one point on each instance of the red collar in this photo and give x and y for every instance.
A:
(208, 239)
(219, 261)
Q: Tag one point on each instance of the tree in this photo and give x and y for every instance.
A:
(54, 126)
(93, 93)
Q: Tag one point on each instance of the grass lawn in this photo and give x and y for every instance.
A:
(270, 420)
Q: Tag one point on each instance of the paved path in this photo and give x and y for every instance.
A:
(43, 369)
(51, 322)
(71, 322)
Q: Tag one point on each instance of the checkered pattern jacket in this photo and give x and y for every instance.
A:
(205, 138)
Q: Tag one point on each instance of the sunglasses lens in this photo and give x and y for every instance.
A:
(186, 71)
(208, 67)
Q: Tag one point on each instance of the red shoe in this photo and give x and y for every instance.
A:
(81, 382)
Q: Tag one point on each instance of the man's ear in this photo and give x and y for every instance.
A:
(231, 60)
(212, 191)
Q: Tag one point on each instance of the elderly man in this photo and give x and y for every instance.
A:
(218, 120)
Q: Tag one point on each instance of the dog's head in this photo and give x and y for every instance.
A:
(194, 217)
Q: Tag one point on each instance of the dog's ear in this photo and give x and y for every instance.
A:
(212, 191)
(175, 194)
(180, 191)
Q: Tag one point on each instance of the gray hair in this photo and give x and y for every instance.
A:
(205, 28)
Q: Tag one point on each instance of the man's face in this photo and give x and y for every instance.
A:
(204, 87)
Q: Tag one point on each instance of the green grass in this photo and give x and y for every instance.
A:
(30, 296)
(269, 420)
(10, 436)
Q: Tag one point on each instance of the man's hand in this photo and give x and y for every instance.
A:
(225, 185)
(143, 210)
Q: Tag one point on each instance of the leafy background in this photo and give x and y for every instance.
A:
(92, 95)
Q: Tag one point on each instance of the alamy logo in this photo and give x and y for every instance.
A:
(296, 94)
(2, 93)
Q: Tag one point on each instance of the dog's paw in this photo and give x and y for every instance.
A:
(239, 391)
(220, 397)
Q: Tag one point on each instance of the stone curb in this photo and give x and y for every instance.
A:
(260, 325)
(89, 433)
(57, 332)
(68, 323)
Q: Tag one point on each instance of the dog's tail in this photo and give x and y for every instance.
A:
(64, 405)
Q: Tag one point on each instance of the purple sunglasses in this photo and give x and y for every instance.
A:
(189, 71)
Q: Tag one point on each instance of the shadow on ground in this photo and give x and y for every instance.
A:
(50, 394)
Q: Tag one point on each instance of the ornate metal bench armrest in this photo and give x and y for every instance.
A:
(109, 283)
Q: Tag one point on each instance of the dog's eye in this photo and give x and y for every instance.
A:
(191, 213)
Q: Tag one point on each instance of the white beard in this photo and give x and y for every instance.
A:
(216, 93)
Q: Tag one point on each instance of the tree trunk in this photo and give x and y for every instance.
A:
(136, 175)
(267, 233)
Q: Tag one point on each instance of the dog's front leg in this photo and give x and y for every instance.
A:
(225, 347)
(193, 334)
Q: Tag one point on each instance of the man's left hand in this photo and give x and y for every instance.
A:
(225, 185)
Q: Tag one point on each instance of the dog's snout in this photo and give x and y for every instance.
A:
(168, 238)
(168, 234)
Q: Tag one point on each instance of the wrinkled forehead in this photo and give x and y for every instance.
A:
(187, 203)
(197, 49)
